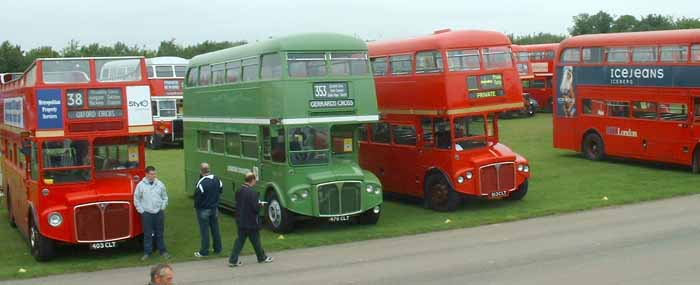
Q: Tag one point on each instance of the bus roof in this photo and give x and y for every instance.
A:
(298, 42)
(443, 39)
(635, 38)
(167, 60)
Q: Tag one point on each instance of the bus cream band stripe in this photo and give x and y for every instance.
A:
(48, 134)
(453, 112)
(140, 129)
(368, 118)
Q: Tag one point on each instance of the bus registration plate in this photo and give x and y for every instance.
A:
(499, 194)
(339, 219)
(103, 245)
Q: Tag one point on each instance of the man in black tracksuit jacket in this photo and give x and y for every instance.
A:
(247, 218)
(206, 203)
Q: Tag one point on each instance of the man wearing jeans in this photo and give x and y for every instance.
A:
(206, 204)
(150, 199)
(247, 218)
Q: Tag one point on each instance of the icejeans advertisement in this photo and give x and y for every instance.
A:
(139, 105)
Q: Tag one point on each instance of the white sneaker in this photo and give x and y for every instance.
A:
(267, 260)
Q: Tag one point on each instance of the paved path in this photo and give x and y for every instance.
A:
(650, 243)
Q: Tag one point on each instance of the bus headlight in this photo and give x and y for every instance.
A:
(460, 179)
(377, 190)
(520, 167)
(526, 168)
(294, 197)
(166, 130)
(304, 194)
(370, 188)
(55, 219)
(469, 175)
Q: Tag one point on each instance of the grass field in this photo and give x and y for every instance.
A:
(562, 182)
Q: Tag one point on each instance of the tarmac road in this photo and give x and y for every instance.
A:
(650, 243)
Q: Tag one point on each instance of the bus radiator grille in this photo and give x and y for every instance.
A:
(339, 198)
(103, 221)
(497, 177)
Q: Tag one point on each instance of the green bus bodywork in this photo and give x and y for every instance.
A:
(286, 121)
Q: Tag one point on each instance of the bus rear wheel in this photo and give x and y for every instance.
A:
(518, 194)
(277, 217)
(696, 160)
(42, 248)
(440, 196)
(369, 217)
(593, 147)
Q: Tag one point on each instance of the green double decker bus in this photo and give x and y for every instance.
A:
(289, 110)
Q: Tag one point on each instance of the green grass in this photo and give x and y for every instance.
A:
(562, 182)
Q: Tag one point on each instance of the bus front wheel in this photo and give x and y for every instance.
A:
(696, 160)
(593, 147)
(439, 195)
(278, 218)
(518, 194)
(42, 248)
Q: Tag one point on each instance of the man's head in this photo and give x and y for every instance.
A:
(250, 179)
(204, 169)
(162, 274)
(150, 173)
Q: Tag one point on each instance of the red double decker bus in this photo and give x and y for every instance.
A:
(438, 97)
(541, 61)
(166, 75)
(633, 95)
(73, 133)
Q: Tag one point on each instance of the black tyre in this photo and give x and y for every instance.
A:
(155, 141)
(42, 248)
(593, 147)
(279, 219)
(696, 160)
(519, 193)
(10, 217)
(369, 217)
(439, 194)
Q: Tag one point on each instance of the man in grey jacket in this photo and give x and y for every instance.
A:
(150, 199)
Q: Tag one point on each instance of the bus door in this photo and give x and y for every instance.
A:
(404, 156)
(674, 131)
(381, 157)
(273, 153)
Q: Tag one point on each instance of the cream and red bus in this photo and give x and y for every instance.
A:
(166, 75)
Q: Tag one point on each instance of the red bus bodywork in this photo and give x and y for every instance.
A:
(634, 95)
(420, 107)
(541, 60)
(166, 76)
(73, 150)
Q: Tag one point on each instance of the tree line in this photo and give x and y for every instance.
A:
(602, 22)
(14, 58)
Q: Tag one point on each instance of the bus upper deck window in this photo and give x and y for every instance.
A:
(644, 54)
(428, 61)
(306, 64)
(593, 55)
(497, 57)
(460, 60)
(695, 53)
(618, 55)
(345, 63)
(379, 66)
(66, 71)
(674, 53)
(571, 55)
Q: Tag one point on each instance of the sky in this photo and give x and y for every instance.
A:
(32, 23)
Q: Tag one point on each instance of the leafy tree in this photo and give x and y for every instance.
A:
(169, 48)
(11, 58)
(654, 22)
(625, 23)
(687, 23)
(40, 52)
(598, 23)
(536, 38)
